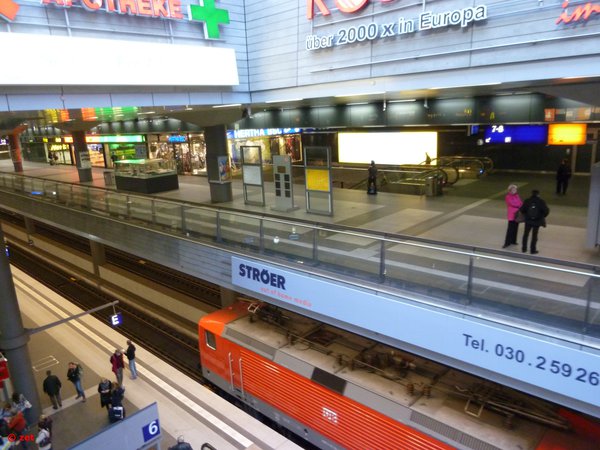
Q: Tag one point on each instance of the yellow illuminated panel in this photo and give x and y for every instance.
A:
(317, 180)
(392, 148)
(567, 134)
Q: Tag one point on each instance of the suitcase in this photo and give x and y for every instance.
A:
(116, 413)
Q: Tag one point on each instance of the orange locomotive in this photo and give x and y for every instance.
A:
(338, 390)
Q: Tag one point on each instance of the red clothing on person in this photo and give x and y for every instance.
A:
(17, 423)
(117, 362)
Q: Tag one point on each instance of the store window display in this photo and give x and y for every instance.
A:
(284, 144)
(97, 155)
(188, 152)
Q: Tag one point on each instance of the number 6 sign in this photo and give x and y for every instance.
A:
(151, 430)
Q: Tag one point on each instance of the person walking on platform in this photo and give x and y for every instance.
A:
(130, 352)
(45, 422)
(116, 411)
(20, 403)
(181, 445)
(372, 179)
(74, 375)
(44, 437)
(563, 174)
(117, 395)
(16, 423)
(104, 388)
(513, 203)
(535, 211)
(116, 360)
(52, 387)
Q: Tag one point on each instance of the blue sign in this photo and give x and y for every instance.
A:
(116, 319)
(151, 430)
(516, 134)
(260, 132)
(178, 138)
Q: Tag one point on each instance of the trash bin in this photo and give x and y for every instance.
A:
(433, 186)
(109, 178)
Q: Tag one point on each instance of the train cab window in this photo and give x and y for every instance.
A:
(210, 339)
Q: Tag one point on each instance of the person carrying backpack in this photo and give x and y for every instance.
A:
(535, 211)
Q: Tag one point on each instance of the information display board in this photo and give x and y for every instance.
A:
(317, 170)
(252, 176)
(284, 186)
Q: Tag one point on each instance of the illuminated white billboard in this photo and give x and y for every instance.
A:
(393, 148)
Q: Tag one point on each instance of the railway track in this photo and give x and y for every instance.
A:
(158, 337)
(164, 341)
(192, 287)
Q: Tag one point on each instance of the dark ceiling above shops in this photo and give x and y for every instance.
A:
(582, 90)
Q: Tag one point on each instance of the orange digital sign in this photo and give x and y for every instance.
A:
(567, 134)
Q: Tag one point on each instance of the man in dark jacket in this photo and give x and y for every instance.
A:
(372, 179)
(535, 211)
(563, 174)
(52, 387)
(130, 352)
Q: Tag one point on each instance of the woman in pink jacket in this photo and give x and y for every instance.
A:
(513, 203)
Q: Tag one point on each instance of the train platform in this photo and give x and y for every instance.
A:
(185, 407)
(470, 212)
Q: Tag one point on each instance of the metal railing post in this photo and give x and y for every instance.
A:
(218, 237)
(183, 224)
(315, 250)
(382, 255)
(261, 235)
(588, 305)
(128, 203)
(470, 280)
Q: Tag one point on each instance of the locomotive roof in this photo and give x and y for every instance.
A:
(387, 379)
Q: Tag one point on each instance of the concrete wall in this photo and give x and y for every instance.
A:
(519, 40)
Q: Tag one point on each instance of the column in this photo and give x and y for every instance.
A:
(14, 338)
(228, 297)
(82, 156)
(216, 146)
(15, 150)
(98, 256)
(29, 226)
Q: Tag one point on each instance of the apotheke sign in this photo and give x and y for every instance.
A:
(205, 12)
(369, 32)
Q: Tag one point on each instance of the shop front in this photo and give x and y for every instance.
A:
(187, 151)
(4, 148)
(272, 141)
(59, 152)
(116, 147)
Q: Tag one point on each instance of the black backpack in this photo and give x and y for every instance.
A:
(533, 212)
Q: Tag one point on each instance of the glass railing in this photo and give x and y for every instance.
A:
(560, 298)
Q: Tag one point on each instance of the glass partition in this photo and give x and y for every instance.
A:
(560, 295)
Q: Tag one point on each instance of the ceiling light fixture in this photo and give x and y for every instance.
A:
(231, 105)
(361, 94)
(285, 100)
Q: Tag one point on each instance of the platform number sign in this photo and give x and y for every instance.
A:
(116, 319)
(151, 431)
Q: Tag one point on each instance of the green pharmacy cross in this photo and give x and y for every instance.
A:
(212, 17)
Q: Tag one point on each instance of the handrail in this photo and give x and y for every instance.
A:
(449, 272)
(334, 228)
